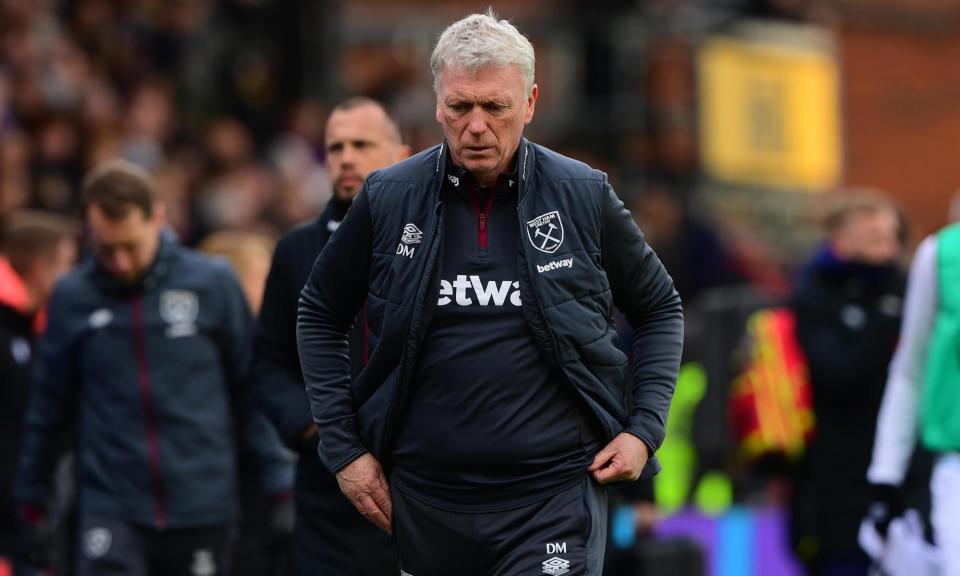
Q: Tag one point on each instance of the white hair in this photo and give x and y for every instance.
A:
(482, 40)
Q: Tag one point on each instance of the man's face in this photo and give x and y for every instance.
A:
(483, 113)
(359, 141)
(48, 268)
(869, 238)
(126, 247)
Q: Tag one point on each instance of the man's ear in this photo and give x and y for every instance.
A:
(531, 103)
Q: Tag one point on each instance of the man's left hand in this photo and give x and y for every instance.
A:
(622, 459)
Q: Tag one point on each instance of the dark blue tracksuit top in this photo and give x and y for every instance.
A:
(489, 425)
(154, 376)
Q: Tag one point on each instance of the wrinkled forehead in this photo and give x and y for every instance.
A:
(366, 122)
(488, 81)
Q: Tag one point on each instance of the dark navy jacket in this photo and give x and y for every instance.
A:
(157, 376)
(580, 254)
(276, 364)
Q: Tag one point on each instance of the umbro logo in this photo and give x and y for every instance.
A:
(100, 318)
(410, 235)
(556, 566)
(203, 563)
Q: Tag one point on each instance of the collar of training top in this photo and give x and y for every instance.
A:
(458, 179)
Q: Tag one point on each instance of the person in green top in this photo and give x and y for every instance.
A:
(923, 394)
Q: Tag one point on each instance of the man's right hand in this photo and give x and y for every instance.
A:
(363, 483)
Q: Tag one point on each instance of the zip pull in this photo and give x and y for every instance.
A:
(482, 216)
(483, 230)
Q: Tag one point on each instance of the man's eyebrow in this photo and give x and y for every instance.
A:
(351, 139)
(115, 245)
(454, 99)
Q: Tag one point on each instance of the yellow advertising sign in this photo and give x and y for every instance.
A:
(769, 113)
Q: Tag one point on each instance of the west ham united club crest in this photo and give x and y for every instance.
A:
(179, 309)
(546, 232)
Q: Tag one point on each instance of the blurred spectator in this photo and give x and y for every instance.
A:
(149, 124)
(57, 165)
(15, 179)
(191, 91)
(330, 534)
(692, 252)
(297, 155)
(256, 553)
(237, 190)
(847, 305)
(249, 254)
(35, 250)
(156, 423)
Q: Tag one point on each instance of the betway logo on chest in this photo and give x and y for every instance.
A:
(553, 265)
(471, 291)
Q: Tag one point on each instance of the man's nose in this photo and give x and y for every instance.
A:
(477, 123)
(349, 155)
(121, 262)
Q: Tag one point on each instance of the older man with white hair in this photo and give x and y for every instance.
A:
(495, 403)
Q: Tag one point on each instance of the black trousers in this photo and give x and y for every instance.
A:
(331, 537)
(113, 547)
(563, 534)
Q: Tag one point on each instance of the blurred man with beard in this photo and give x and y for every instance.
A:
(330, 535)
(146, 353)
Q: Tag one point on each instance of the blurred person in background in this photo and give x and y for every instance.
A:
(330, 534)
(236, 188)
(57, 164)
(847, 306)
(15, 177)
(922, 395)
(149, 124)
(299, 158)
(693, 252)
(36, 249)
(146, 350)
(492, 408)
(257, 552)
(249, 254)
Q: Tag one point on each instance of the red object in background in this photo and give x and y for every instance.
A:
(771, 403)
(13, 292)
